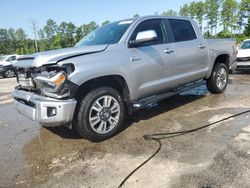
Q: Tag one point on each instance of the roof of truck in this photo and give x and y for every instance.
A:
(156, 16)
(162, 16)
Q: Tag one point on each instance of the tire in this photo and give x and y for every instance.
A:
(9, 73)
(109, 117)
(218, 80)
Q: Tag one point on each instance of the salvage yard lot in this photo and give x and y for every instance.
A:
(218, 156)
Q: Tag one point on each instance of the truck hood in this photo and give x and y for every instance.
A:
(55, 56)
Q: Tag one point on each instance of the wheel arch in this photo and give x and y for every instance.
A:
(117, 82)
(222, 58)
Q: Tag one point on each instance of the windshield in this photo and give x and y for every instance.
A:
(245, 45)
(108, 34)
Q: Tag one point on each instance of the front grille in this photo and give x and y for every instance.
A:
(24, 81)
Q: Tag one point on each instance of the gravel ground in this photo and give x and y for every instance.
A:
(219, 156)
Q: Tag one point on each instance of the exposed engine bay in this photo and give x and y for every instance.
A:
(51, 81)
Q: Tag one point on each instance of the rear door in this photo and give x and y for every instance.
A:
(149, 62)
(190, 50)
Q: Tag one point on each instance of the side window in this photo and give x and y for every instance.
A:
(182, 30)
(155, 25)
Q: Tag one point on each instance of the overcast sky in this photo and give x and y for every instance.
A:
(19, 13)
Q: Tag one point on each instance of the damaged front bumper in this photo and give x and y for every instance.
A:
(49, 112)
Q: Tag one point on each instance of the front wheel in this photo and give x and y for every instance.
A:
(218, 80)
(101, 113)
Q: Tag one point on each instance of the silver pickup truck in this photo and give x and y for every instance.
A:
(118, 68)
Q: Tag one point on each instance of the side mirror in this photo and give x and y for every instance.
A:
(143, 37)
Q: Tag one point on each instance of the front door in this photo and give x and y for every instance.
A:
(150, 62)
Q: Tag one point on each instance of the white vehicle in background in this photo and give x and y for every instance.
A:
(6, 68)
(243, 57)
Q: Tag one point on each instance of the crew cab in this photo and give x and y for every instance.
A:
(118, 68)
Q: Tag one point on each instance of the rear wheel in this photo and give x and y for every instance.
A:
(218, 80)
(9, 73)
(101, 113)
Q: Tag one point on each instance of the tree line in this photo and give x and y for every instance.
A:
(51, 36)
(230, 15)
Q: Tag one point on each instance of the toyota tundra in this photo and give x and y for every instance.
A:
(118, 68)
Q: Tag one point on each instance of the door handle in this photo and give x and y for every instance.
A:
(202, 46)
(135, 58)
(169, 51)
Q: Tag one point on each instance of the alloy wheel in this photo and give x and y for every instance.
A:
(221, 78)
(9, 74)
(104, 114)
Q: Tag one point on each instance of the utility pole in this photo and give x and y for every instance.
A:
(35, 34)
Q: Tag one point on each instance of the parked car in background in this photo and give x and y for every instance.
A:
(243, 57)
(6, 68)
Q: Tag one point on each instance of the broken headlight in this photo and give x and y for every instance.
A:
(50, 82)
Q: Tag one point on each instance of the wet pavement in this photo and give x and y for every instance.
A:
(219, 156)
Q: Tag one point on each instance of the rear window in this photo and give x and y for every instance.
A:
(182, 30)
